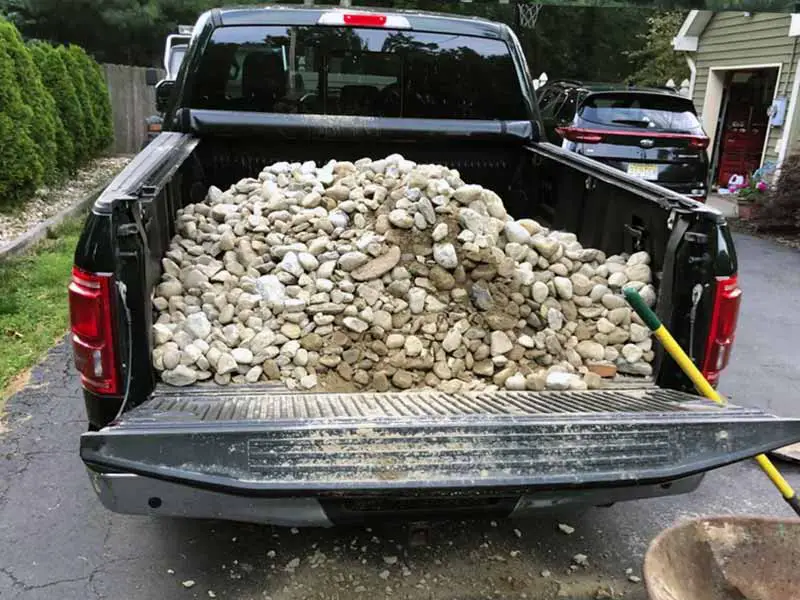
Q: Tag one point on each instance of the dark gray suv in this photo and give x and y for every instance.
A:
(649, 133)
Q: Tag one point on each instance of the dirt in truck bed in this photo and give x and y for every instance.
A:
(386, 275)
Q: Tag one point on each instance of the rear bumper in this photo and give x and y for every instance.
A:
(261, 454)
(130, 494)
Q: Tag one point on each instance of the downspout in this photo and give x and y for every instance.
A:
(693, 74)
(788, 121)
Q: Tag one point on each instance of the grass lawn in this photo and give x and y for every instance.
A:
(33, 302)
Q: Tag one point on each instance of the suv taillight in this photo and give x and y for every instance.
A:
(90, 318)
(576, 134)
(724, 316)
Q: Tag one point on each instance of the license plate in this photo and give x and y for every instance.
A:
(649, 172)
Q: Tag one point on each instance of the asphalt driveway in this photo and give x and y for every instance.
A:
(56, 540)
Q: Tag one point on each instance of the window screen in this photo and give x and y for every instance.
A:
(363, 72)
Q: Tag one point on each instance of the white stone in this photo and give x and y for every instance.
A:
(439, 232)
(445, 255)
(401, 219)
(517, 233)
(500, 344)
(197, 325)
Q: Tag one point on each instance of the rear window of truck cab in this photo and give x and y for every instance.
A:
(358, 72)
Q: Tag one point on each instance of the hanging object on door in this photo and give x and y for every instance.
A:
(777, 111)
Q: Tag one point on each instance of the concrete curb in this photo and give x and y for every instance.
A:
(39, 232)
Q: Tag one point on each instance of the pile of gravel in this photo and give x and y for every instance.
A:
(386, 274)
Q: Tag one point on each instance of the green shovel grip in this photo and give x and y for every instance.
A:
(648, 316)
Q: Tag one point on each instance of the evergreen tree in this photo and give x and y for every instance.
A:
(72, 62)
(657, 62)
(21, 170)
(62, 94)
(42, 124)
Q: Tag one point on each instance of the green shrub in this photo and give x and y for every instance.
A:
(780, 213)
(51, 69)
(75, 65)
(65, 91)
(101, 102)
(35, 95)
(21, 169)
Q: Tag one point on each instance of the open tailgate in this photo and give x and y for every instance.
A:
(264, 440)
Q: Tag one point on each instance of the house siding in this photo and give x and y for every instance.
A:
(731, 39)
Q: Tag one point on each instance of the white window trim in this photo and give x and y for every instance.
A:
(794, 26)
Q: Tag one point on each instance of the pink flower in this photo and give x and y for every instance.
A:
(761, 186)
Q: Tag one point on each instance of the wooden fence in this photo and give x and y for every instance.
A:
(132, 101)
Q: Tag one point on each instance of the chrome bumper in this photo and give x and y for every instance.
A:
(127, 493)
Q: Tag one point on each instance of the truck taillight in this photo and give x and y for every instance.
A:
(90, 318)
(724, 316)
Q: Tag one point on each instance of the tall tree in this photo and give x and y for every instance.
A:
(657, 61)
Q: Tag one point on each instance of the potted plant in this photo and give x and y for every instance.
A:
(751, 196)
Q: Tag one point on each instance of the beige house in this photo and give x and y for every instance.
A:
(744, 84)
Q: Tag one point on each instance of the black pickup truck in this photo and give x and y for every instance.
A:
(261, 85)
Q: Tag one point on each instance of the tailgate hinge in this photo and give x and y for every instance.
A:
(138, 206)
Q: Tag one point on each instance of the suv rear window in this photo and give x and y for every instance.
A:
(642, 111)
(360, 72)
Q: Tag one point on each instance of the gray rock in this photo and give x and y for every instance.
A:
(242, 355)
(401, 219)
(403, 379)
(355, 324)
(416, 300)
(445, 255)
(563, 287)
(539, 291)
(291, 330)
(467, 194)
(617, 280)
(377, 267)
(179, 376)
(220, 212)
(581, 284)
(545, 246)
(197, 325)
(161, 334)
(226, 364)
(557, 380)
(648, 294)
(481, 297)
(639, 333)
(272, 291)
(413, 346)
(169, 288)
(612, 301)
(352, 260)
(632, 353)
(395, 340)
(516, 382)
(555, 319)
(638, 272)
(517, 233)
(590, 350)
(500, 344)
(171, 358)
(439, 232)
